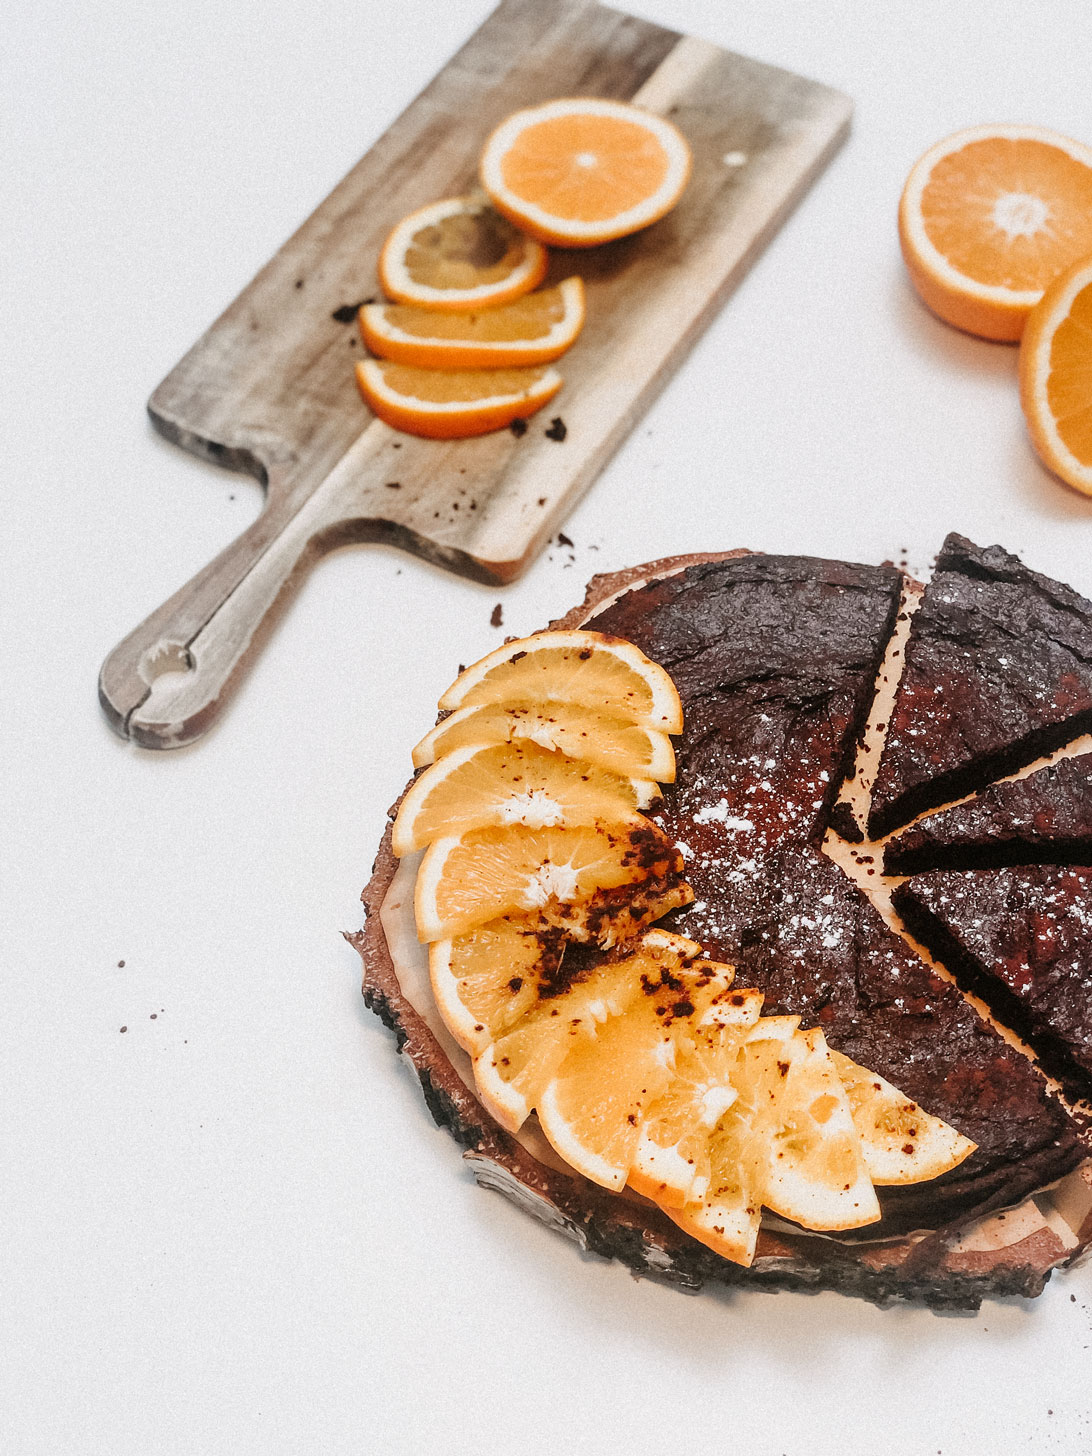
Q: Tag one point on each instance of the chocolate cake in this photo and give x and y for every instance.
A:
(998, 673)
(776, 660)
(1044, 818)
(1021, 938)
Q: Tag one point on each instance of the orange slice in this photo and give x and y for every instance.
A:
(592, 1108)
(534, 329)
(596, 671)
(487, 980)
(459, 254)
(989, 217)
(1056, 376)
(507, 784)
(579, 171)
(671, 1163)
(563, 873)
(901, 1143)
(629, 749)
(448, 404)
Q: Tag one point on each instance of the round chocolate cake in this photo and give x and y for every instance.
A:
(819, 697)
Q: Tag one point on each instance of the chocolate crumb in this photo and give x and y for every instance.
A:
(348, 311)
(542, 500)
(299, 284)
(121, 965)
(496, 616)
(394, 485)
(557, 430)
(562, 539)
(518, 428)
(124, 1028)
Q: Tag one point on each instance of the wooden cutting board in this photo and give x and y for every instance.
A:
(270, 388)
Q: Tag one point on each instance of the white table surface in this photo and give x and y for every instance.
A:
(227, 1221)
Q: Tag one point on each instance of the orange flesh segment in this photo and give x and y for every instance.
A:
(585, 168)
(530, 317)
(465, 251)
(459, 386)
(1008, 212)
(1069, 384)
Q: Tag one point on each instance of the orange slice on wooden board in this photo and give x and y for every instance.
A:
(534, 329)
(563, 873)
(459, 254)
(1056, 376)
(577, 731)
(506, 784)
(580, 171)
(988, 219)
(453, 404)
(589, 668)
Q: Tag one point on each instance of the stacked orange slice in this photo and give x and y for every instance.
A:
(646, 1067)
(463, 345)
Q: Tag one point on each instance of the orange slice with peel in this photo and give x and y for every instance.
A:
(563, 873)
(988, 219)
(592, 1109)
(534, 329)
(579, 171)
(1056, 376)
(596, 671)
(579, 732)
(459, 254)
(900, 1142)
(507, 784)
(486, 980)
(453, 404)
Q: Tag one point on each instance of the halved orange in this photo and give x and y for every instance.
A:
(579, 732)
(578, 170)
(1056, 376)
(563, 873)
(988, 219)
(600, 672)
(459, 254)
(534, 329)
(507, 784)
(452, 404)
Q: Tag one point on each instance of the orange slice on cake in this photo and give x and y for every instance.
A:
(579, 171)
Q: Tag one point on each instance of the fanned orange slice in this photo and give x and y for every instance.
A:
(459, 254)
(506, 784)
(563, 873)
(579, 732)
(989, 218)
(593, 1107)
(534, 329)
(900, 1142)
(605, 673)
(579, 171)
(487, 980)
(453, 404)
(1056, 376)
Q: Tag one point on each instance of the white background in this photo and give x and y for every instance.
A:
(233, 1227)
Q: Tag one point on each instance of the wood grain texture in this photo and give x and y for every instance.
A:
(270, 389)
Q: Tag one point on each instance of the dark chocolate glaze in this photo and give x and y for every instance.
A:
(1021, 938)
(1045, 818)
(998, 673)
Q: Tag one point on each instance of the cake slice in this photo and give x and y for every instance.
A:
(1046, 817)
(998, 672)
(1021, 938)
(775, 660)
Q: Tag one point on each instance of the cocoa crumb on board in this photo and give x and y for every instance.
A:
(121, 965)
(394, 485)
(562, 539)
(348, 311)
(496, 616)
(518, 428)
(557, 430)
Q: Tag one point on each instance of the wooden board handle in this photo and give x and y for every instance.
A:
(164, 685)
